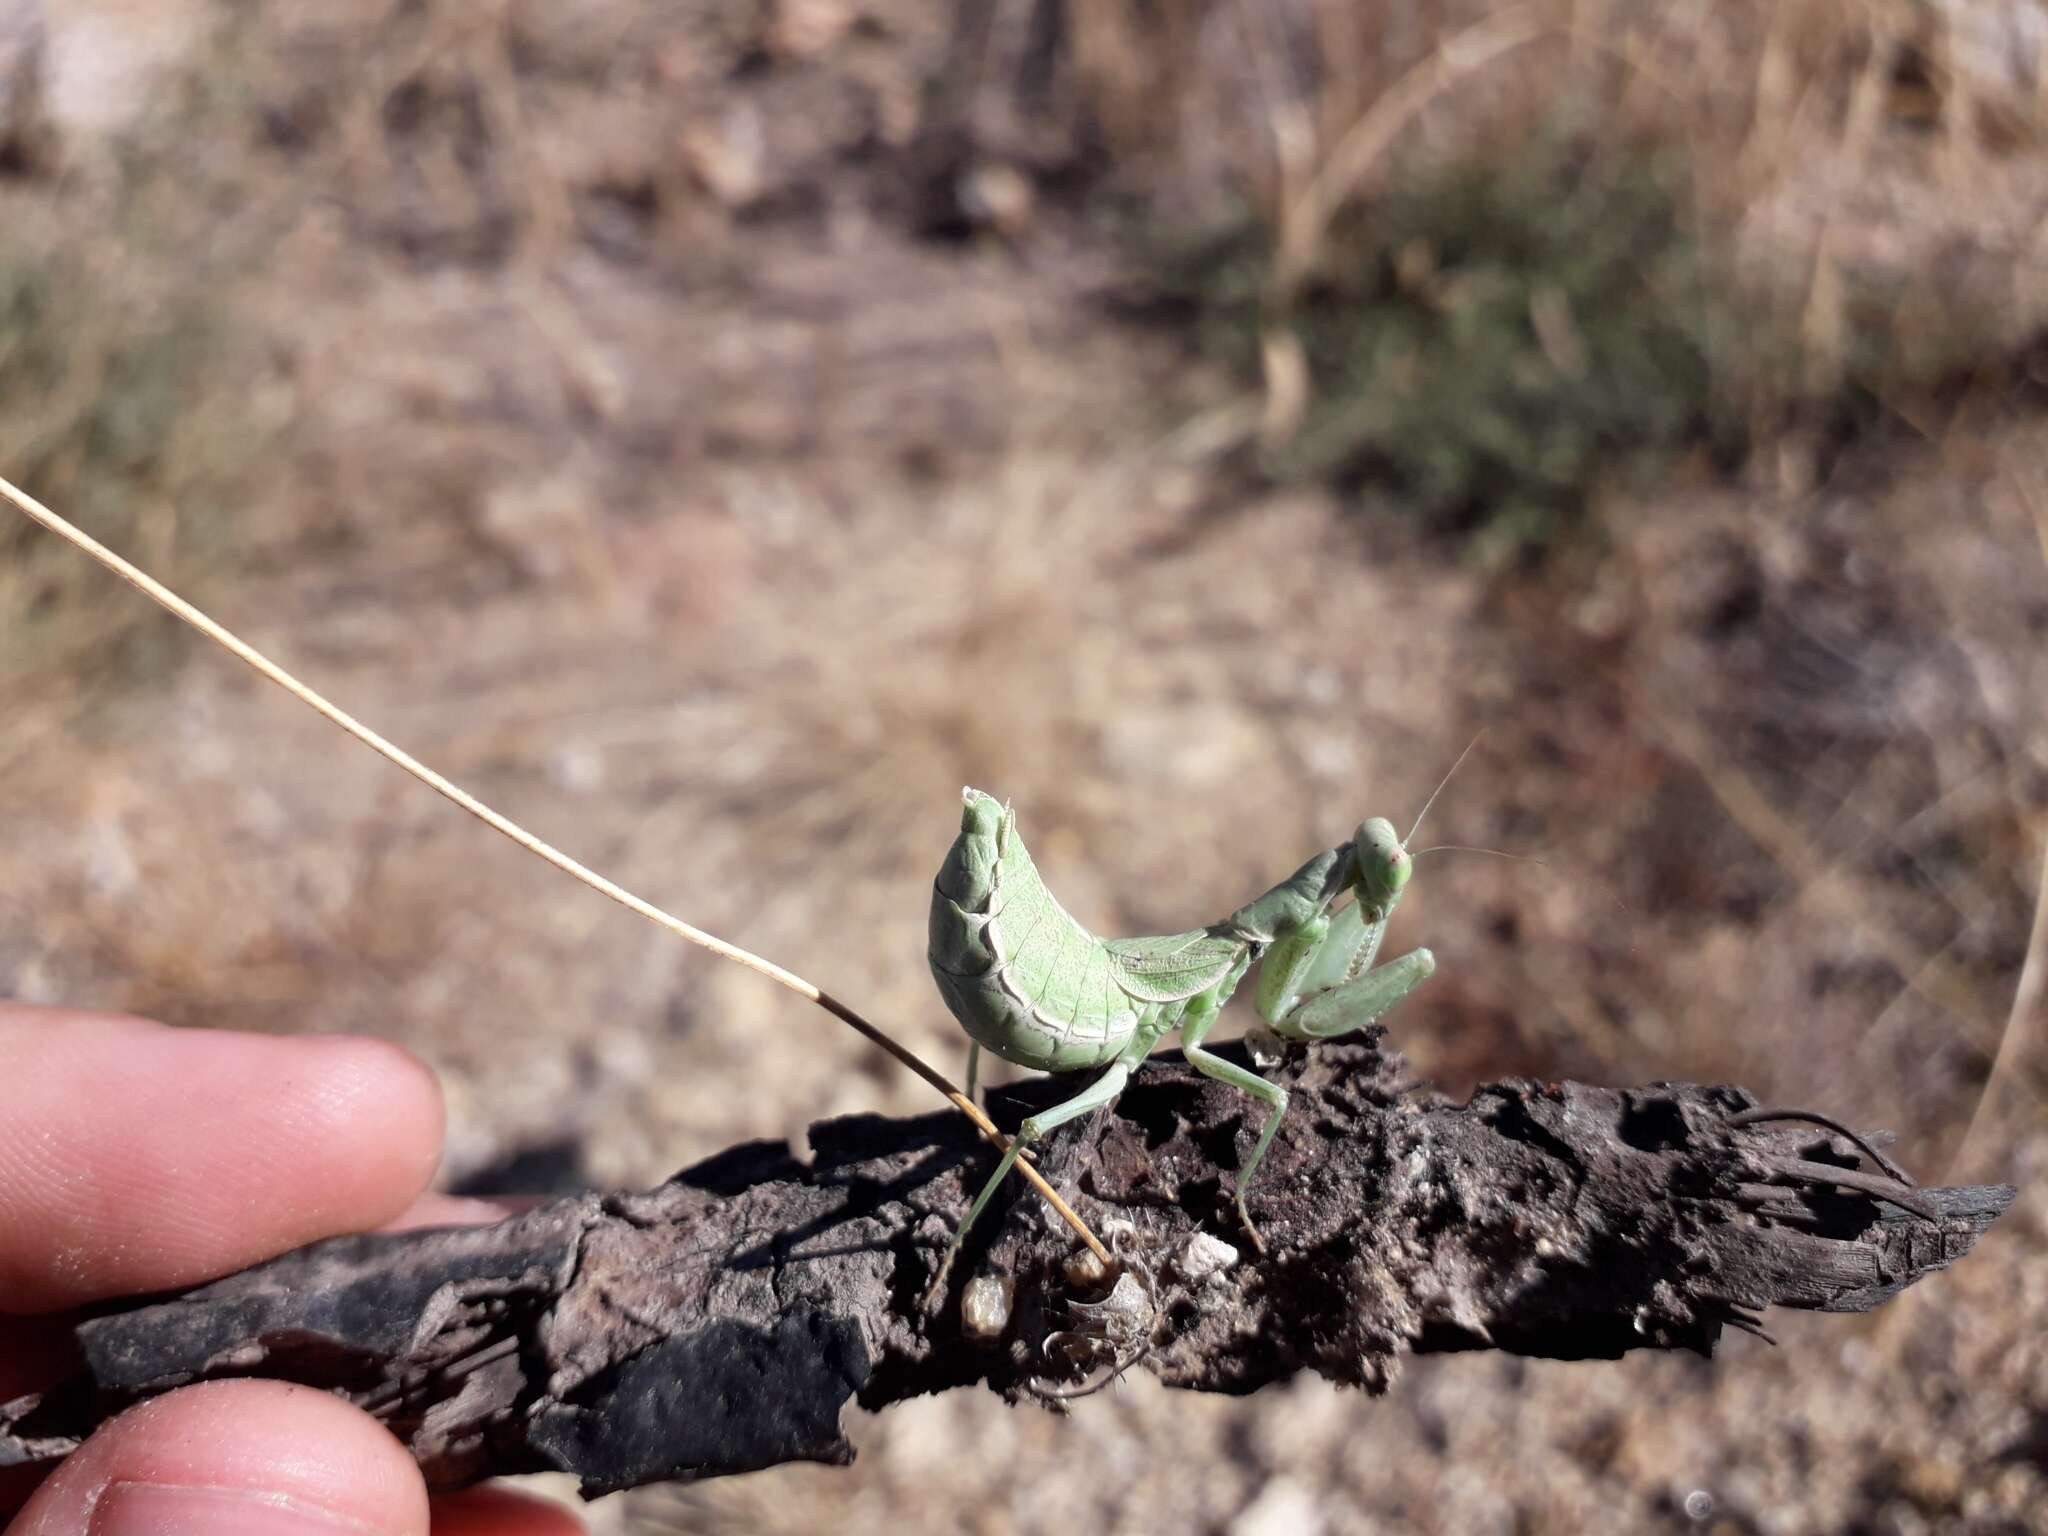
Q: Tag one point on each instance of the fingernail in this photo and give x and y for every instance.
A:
(155, 1509)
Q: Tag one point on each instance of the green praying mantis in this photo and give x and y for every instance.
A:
(1033, 986)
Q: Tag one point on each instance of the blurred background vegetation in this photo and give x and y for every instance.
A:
(716, 431)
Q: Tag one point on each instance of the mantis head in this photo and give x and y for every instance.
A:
(1382, 861)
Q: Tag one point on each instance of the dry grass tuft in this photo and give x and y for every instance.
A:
(1847, 238)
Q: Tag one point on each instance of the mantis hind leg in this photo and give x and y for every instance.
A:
(973, 1069)
(1201, 1015)
(1093, 1097)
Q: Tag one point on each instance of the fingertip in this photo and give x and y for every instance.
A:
(384, 1100)
(502, 1512)
(234, 1455)
(437, 1210)
(136, 1157)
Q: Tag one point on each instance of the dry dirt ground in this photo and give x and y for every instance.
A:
(600, 408)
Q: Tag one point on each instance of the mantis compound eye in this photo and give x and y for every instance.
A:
(1383, 863)
(1399, 867)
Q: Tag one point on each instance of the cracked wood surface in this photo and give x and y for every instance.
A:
(721, 1322)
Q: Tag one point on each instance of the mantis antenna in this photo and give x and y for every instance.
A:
(1515, 858)
(157, 592)
(1440, 783)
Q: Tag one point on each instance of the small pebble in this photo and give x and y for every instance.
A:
(1203, 1257)
(985, 1308)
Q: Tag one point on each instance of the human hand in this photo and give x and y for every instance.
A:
(138, 1158)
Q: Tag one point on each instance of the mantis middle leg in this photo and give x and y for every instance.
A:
(1310, 988)
(1194, 1029)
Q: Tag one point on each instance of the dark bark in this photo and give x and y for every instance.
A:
(721, 1322)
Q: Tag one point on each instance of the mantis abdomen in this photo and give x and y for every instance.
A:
(1025, 980)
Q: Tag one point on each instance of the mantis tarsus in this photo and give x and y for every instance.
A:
(1030, 984)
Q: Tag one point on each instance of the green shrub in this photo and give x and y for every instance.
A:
(1485, 343)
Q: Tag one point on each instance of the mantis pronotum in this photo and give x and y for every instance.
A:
(185, 611)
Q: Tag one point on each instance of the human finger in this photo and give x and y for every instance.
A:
(502, 1512)
(136, 1157)
(234, 1458)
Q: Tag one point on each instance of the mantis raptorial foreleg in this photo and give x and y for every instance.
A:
(1319, 982)
(1364, 1001)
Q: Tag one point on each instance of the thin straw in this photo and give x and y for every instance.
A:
(157, 592)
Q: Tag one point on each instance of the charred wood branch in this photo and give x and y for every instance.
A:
(721, 1322)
